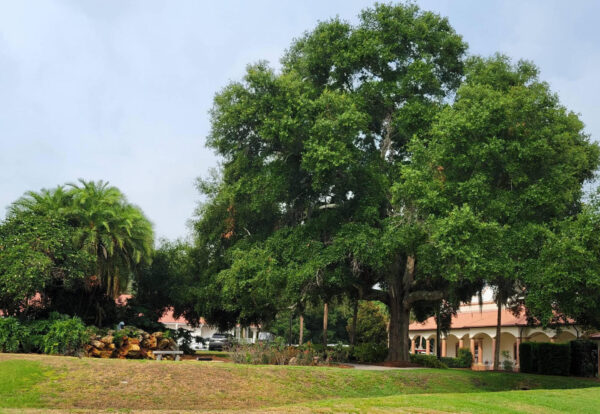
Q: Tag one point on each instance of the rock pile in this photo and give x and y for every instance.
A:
(140, 346)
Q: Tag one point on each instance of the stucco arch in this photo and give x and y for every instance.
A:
(538, 336)
(452, 344)
(482, 348)
(564, 337)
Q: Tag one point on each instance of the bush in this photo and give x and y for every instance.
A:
(338, 353)
(545, 358)
(554, 359)
(275, 353)
(32, 340)
(429, 361)
(10, 332)
(584, 358)
(66, 337)
(527, 357)
(463, 360)
(370, 352)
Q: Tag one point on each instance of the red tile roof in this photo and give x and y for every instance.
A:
(474, 319)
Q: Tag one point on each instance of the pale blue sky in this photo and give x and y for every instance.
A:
(119, 90)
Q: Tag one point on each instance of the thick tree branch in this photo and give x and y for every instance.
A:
(375, 294)
(428, 295)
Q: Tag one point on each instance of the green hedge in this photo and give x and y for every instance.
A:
(545, 358)
(60, 334)
(463, 360)
(429, 361)
(370, 352)
(584, 358)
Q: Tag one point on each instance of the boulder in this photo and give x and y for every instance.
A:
(97, 344)
(106, 354)
(107, 340)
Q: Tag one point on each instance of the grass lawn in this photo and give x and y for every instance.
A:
(36, 383)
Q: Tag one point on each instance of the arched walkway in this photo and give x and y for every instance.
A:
(538, 337)
(452, 343)
(482, 349)
(564, 337)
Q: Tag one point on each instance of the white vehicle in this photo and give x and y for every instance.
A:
(265, 337)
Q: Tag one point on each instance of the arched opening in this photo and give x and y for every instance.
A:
(483, 352)
(452, 346)
(432, 345)
(420, 344)
(508, 351)
(538, 337)
(564, 337)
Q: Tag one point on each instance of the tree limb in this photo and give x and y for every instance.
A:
(426, 295)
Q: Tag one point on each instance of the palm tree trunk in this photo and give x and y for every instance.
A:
(353, 326)
(301, 330)
(325, 318)
(498, 334)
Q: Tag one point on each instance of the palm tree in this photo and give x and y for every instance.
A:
(114, 230)
(107, 226)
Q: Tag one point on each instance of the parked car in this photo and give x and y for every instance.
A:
(220, 341)
(265, 337)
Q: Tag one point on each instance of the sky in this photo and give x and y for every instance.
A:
(120, 90)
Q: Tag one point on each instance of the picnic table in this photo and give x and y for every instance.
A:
(159, 354)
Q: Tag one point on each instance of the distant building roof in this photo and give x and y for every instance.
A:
(473, 319)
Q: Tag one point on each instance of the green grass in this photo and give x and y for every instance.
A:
(92, 384)
(581, 400)
(18, 380)
(220, 354)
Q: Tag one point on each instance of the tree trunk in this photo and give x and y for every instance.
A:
(325, 316)
(290, 334)
(301, 330)
(438, 334)
(498, 336)
(399, 321)
(353, 326)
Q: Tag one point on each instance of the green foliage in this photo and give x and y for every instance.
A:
(528, 357)
(429, 361)
(65, 337)
(163, 284)
(37, 255)
(584, 358)
(301, 212)
(275, 353)
(10, 333)
(545, 358)
(371, 323)
(507, 363)
(567, 286)
(184, 339)
(463, 360)
(370, 352)
(66, 248)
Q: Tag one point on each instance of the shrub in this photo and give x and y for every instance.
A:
(184, 339)
(66, 337)
(554, 359)
(370, 352)
(338, 353)
(10, 332)
(527, 357)
(507, 364)
(584, 358)
(429, 361)
(545, 358)
(264, 353)
(32, 339)
(371, 323)
(463, 360)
